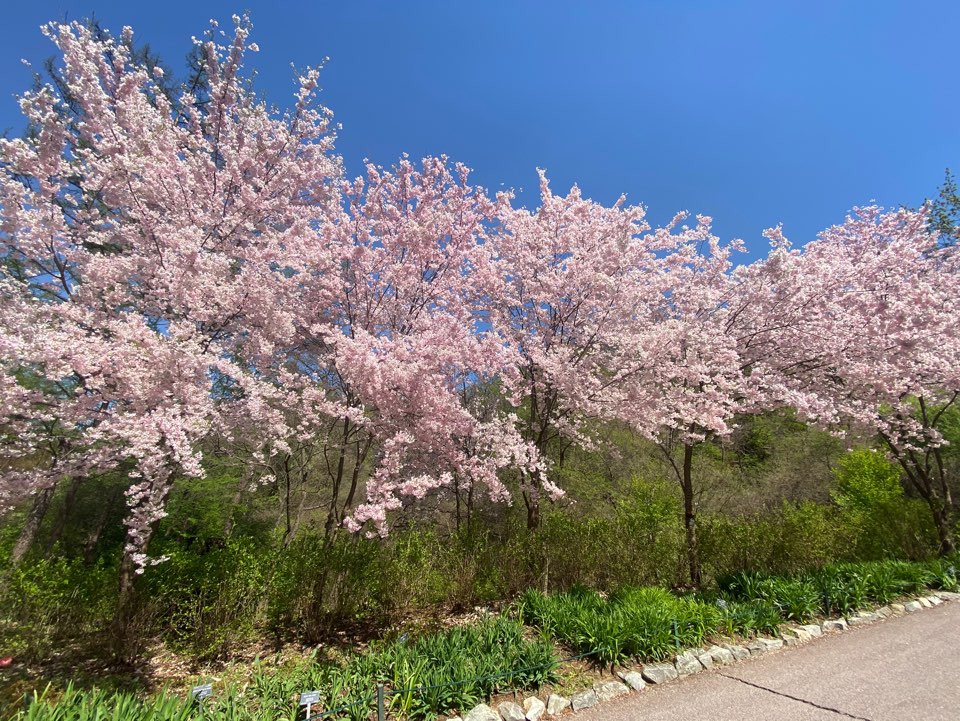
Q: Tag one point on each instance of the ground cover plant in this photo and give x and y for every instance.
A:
(651, 624)
(842, 589)
(424, 676)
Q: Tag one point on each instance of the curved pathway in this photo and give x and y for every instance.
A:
(904, 668)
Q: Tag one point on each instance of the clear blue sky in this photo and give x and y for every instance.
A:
(752, 112)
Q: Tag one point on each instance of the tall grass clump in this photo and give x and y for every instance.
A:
(642, 623)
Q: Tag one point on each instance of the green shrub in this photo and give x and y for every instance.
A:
(209, 603)
(41, 599)
(870, 497)
(793, 538)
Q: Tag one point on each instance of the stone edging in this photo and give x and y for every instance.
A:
(692, 661)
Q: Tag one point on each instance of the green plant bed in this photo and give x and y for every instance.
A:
(438, 673)
(842, 589)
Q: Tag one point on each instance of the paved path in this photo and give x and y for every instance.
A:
(900, 669)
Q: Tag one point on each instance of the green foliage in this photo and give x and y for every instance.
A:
(866, 480)
(451, 671)
(754, 445)
(885, 523)
(440, 673)
(789, 539)
(840, 589)
(39, 599)
(748, 617)
(568, 549)
(79, 705)
(945, 211)
(208, 602)
(643, 623)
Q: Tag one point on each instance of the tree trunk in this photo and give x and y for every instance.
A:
(128, 573)
(38, 511)
(690, 517)
(941, 519)
(230, 522)
(531, 499)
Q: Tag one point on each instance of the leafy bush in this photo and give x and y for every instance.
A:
(793, 538)
(870, 497)
(40, 599)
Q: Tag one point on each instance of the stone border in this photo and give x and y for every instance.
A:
(693, 661)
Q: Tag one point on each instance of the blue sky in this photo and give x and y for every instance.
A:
(752, 112)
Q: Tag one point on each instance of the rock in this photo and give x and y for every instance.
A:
(764, 645)
(454, 718)
(897, 609)
(934, 600)
(482, 713)
(739, 652)
(813, 629)
(799, 635)
(863, 618)
(912, 606)
(584, 699)
(534, 708)
(884, 612)
(925, 602)
(510, 711)
(949, 596)
(557, 704)
(610, 689)
(834, 624)
(659, 673)
(687, 663)
(719, 655)
(633, 679)
(790, 641)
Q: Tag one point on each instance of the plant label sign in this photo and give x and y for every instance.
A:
(309, 698)
(199, 693)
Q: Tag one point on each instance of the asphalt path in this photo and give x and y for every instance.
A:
(904, 668)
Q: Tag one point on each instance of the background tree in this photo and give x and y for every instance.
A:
(945, 211)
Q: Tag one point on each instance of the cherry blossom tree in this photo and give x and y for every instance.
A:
(582, 303)
(145, 246)
(196, 266)
(393, 342)
(878, 343)
(699, 377)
